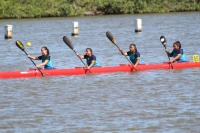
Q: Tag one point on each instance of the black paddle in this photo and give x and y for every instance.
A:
(69, 43)
(112, 39)
(164, 43)
(21, 46)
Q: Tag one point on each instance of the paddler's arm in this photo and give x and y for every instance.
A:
(122, 52)
(43, 64)
(138, 60)
(176, 58)
(80, 56)
(168, 53)
(93, 61)
(32, 57)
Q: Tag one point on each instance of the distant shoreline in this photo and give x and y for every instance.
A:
(60, 8)
(96, 15)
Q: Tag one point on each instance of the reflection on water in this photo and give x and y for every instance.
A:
(150, 101)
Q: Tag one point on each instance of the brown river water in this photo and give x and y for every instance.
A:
(148, 101)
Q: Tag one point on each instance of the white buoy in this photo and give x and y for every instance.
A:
(8, 31)
(138, 25)
(75, 28)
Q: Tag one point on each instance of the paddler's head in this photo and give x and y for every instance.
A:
(133, 48)
(45, 50)
(88, 51)
(177, 45)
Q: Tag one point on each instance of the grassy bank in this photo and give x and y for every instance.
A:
(62, 8)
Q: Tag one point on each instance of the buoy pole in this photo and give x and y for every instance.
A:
(75, 28)
(8, 31)
(138, 25)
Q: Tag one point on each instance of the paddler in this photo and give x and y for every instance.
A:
(133, 54)
(177, 53)
(45, 57)
(91, 59)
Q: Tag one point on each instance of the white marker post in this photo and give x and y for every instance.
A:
(8, 31)
(75, 28)
(138, 25)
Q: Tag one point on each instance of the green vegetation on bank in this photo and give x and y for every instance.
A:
(58, 8)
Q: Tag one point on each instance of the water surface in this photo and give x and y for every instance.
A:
(149, 101)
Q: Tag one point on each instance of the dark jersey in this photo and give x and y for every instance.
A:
(90, 59)
(133, 56)
(174, 53)
(47, 57)
(43, 58)
(182, 58)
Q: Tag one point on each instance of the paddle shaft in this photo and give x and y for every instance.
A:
(34, 63)
(126, 57)
(169, 58)
(82, 61)
(30, 58)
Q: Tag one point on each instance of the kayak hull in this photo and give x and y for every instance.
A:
(95, 70)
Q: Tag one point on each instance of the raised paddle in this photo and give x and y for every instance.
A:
(164, 43)
(21, 46)
(112, 39)
(69, 43)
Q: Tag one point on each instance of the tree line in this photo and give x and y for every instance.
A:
(64, 8)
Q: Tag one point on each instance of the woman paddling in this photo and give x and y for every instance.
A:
(133, 54)
(177, 53)
(45, 57)
(91, 59)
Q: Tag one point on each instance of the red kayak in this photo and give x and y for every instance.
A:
(95, 70)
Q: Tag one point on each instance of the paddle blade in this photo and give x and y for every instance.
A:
(20, 45)
(68, 42)
(163, 41)
(110, 37)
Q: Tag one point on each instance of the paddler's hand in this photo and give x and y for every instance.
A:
(37, 66)
(77, 54)
(171, 61)
(88, 67)
(134, 66)
(120, 49)
(166, 50)
(28, 56)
